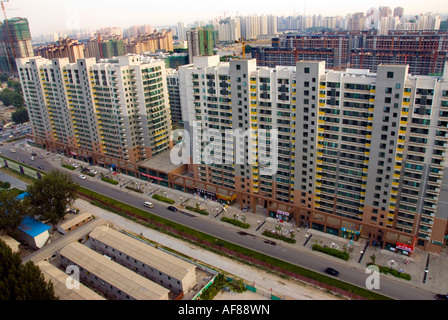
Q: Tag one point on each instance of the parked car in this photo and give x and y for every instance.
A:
(34, 154)
(75, 165)
(93, 171)
(171, 208)
(40, 167)
(441, 297)
(32, 158)
(12, 150)
(332, 271)
(83, 177)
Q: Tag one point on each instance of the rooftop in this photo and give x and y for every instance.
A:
(59, 277)
(161, 162)
(111, 272)
(157, 259)
(33, 227)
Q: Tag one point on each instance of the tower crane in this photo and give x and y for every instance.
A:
(99, 44)
(7, 27)
(243, 42)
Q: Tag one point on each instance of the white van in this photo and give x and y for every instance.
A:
(148, 204)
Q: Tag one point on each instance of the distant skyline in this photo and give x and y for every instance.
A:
(47, 16)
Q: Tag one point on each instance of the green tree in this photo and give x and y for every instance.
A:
(12, 212)
(17, 100)
(4, 77)
(20, 115)
(21, 281)
(49, 196)
(7, 97)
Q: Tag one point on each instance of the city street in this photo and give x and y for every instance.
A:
(299, 253)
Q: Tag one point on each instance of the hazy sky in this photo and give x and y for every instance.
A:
(57, 15)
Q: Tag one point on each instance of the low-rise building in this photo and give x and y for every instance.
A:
(173, 273)
(110, 278)
(75, 222)
(72, 291)
(34, 232)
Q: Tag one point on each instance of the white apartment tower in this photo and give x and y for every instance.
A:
(117, 108)
(356, 152)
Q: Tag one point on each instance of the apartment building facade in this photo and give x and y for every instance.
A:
(424, 51)
(114, 112)
(357, 153)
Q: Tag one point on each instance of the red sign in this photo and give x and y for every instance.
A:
(152, 177)
(405, 247)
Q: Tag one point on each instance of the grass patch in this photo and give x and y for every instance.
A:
(236, 222)
(332, 252)
(108, 180)
(163, 199)
(68, 166)
(215, 245)
(271, 234)
(197, 209)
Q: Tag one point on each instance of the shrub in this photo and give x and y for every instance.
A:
(197, 209)
(134, 189)
(278, 236)
(236, 222)
(163, 199)
(5, 185)
(332, 252)
(68, 166)
(111, 181)
(393, 272)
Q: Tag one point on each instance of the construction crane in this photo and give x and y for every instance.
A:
(243, 42)
(99, 44)
(7, 27)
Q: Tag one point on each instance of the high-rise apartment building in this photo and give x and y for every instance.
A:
(15, 42)
(356, 153)
(172, 78)
(99, 112)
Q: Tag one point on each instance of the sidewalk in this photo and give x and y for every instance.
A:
(434, 280)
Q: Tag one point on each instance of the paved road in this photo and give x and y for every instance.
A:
(306, 260)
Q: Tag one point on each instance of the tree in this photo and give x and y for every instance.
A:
(4, 77)
(17, 100)
(7, 97)
(49, 196)
(21, 281)
(12, 212)
(20, 115)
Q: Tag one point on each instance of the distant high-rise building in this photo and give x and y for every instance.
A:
(64, 48)
(181, 32)
(398, 12)
(113, 48)
(15, 42)
(200, 42)
(357, 22)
